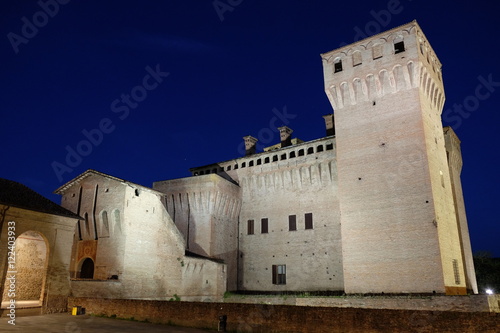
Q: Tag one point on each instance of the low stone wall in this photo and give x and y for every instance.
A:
(470, 303)
(283, 318)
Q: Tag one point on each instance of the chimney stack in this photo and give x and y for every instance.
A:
(285, 136)
(330, 124)
(250, 145)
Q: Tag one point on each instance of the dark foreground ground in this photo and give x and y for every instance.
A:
(66, 323)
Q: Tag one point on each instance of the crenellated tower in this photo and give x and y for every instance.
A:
(398, 221)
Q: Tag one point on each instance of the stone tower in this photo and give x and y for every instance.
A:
(398, 222)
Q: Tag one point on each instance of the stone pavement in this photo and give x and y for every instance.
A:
(66, 323)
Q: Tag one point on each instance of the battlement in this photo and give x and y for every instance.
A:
(386, 63)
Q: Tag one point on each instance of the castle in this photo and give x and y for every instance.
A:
(374, 206)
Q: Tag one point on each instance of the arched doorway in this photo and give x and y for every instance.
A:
(86, 269)
(31, 253)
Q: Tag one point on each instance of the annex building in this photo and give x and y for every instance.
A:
(373, 206)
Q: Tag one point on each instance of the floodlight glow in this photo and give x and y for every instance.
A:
(489, 291)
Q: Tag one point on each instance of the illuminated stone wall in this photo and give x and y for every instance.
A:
(31, 253)
(137, 250)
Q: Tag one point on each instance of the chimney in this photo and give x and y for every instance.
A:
(285, 136)
(250, 144)
(330, 124)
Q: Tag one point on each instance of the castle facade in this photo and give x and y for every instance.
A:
(374, 206)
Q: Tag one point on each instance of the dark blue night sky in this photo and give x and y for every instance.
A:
(144, 90)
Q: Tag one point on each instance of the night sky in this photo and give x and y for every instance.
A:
(162, 86)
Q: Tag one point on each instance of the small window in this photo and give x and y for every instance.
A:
(266, 160)
(235, 166)
(292, 222)
(264, 224)
(399, 47)
(329, 146)
(250, 164)
(338, 66)
(310, 150)
(319, 149)
(136, 192)
(259, 161)
(283, 157)
(301, 152)
(244, 164)
(214, 170)
(250, 227)
(228, 168)
(275, 158)
(279, 274)
(309, 220)
(292, 154)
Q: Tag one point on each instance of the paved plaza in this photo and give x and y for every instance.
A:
(66, 323)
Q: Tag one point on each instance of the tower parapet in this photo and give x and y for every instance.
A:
(396, 60)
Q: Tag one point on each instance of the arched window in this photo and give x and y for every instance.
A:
(87, 269)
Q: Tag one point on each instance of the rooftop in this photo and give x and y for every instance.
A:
(18, 195)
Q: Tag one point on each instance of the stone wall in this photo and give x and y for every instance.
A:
(282, 318)
(470, 303)
(31, 266)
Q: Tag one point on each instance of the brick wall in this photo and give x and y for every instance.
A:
(283, 318)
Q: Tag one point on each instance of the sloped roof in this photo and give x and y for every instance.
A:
(18, 195)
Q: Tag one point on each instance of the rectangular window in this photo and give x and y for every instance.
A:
(250, 227)
(279, 274)
(309, 220)
(264, 226)
(399, 47)
(338, 66)
(292, 222)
